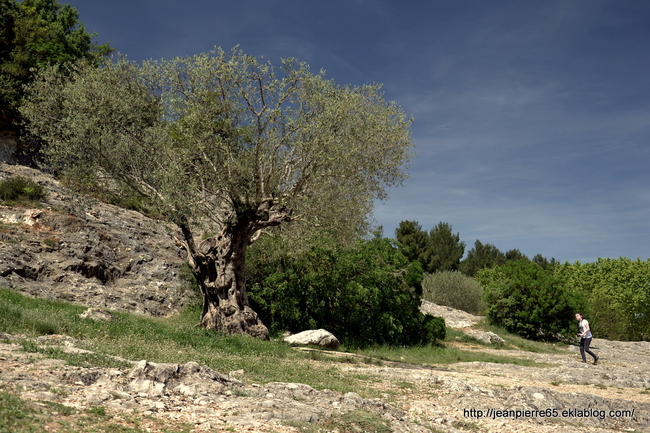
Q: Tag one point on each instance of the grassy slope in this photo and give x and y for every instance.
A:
(179, 341)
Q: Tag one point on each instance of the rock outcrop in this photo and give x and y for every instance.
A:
(89, 253)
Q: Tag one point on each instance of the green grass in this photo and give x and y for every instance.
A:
(512, 341)
(519, 343)
(178, 340)
(441, 355)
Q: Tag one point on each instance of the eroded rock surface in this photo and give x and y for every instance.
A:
(559, 394)
(89, 253)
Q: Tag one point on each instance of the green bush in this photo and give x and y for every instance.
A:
(454, 289)
(361, 294)
(618, 292)
(531, 302)
(18, 188)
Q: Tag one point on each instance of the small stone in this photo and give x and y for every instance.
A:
(538, 396)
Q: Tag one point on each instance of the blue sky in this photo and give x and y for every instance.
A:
(532, 118)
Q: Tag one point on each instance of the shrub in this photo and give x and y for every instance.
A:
(618, 291)
(454, 289)
(361, 294)
(531, 302)
(19, 188)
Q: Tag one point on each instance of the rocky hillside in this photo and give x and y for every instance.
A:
(89, 252)
(101, 256)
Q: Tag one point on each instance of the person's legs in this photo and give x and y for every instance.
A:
(582, 350)
(585, 348)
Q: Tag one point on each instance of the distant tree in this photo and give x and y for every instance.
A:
(445, 249)
(514, 255)
(544, 262)
(412, 240)
(618, 292)
(226, 148)
(481, 256)
(438, 250)
(35, 34)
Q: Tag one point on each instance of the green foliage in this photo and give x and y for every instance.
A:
(224, 135)
(438, 250)
(618, 291)
(514, 255)
(481, 256)
(445, 249)
(19, 188)
(454, 289)
(490, 276)
(34, 34)
(544, 262)
(221, 143)
(412, 240)
(531, 302)
(360, 294)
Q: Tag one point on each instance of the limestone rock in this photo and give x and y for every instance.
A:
(316, 337)
(456, 319)
(98, 315)
(486, 336)
(88, 252)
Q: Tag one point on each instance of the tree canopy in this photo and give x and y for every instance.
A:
(34, 34)
(482, 256)
(226, 147)
(618, 291)
(437, 250)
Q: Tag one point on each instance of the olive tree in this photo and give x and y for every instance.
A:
(225, 147)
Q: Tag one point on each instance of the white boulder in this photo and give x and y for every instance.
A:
(315, 337)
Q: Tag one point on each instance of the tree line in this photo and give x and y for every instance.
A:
(535, 298)
(440, 249)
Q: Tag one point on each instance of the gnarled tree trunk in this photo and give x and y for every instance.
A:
(219, 264)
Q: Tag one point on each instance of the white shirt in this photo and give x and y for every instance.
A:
(583, 325)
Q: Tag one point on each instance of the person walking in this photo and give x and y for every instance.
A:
(585, 338)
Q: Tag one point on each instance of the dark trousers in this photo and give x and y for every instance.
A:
(584, 347)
